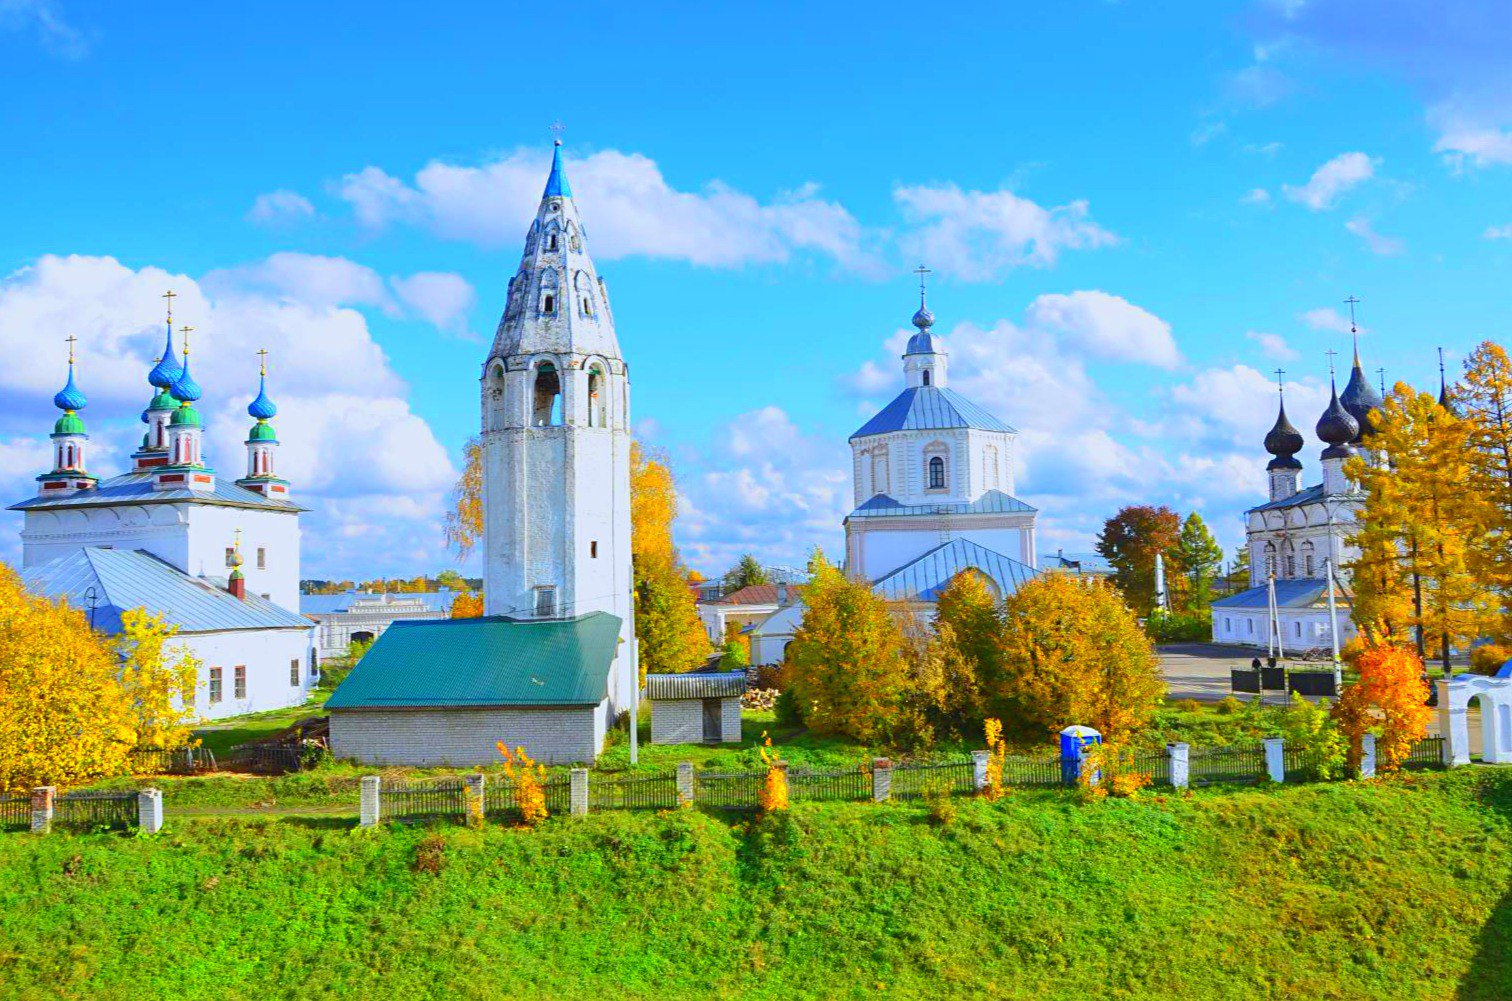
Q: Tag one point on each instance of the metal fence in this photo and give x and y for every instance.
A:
(648, 792)
(828, 786)
(96, 809)
(428, 800)
(939, 779)
(500, 800)
(262, 759)
(15, 813)
(1426, 753)
(1037, 771)
(1240, 763)
(728, 790)
(176, 761)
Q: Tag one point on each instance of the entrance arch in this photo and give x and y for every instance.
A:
(1493, 696)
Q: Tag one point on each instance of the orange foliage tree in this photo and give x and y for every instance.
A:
(1391, 688)
(467, 606)
(774, 792)
(529, 780)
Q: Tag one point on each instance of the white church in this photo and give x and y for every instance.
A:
(217, 559)
(552, 662)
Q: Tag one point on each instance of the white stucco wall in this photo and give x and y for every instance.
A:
(266, 653)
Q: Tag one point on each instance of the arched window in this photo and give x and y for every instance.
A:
(597, 408)
(1270, 559)
(1309, 567)
(551, 242)
(548, 304)
(547, 400)
(926, 377)
(936, 473)
(1291, 561)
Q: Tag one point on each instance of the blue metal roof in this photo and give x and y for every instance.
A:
(1089, 563)
(128, 578)
(556, 181)
(991, 502)
(925, 577)
(136, 488)
(486, 661)
(333, 604)
(1307, 495)
(923, 408)
(1289, 594)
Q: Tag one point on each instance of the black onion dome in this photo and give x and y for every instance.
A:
(1445, 400)
(1337, 428)
(1360, 398)
(1283, 441)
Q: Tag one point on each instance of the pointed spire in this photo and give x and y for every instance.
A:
(262, 408)
(184, 388)
(1445, 400)
(556, 181)
(166, 370)
(1359, 397)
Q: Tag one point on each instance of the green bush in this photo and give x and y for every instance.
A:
(786, 710)
(1164, 627)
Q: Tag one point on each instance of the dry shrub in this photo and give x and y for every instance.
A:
(430, 855)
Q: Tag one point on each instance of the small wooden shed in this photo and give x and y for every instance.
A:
(695, 708)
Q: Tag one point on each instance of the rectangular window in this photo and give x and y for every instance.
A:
(240, 681)
(294, 672)
(545, 602)
(1249, 626)
(1299, 629)
(230, 556)
(593, 549)
(262, 558)
(216, 691)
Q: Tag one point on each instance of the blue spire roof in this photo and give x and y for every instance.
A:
(262, 408)
(185, 389)
(70, 397)
(166, 372)
(556, 183)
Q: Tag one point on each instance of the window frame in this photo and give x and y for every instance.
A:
(217, 685)
(239, 682)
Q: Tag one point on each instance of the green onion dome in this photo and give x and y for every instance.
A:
(69, 423)
(262, 431)
(185, 416)
(163, 401)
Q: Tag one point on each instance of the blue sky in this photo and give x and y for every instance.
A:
(1134, 212)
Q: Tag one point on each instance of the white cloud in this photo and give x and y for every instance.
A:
(1256, 196)
(981, 235)
(1332, 179)
(1385, 246)
(353, 449)
(1327, 318)
(310, 278)
(1464, 144)
(43, 19)
(440, 298)
(1207, 132)
(1108, 326)
(282, 207)
(1498, 232)
(1273, 346)
(635, 211)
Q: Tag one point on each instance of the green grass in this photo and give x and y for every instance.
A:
(223, 735)
(1395, 889)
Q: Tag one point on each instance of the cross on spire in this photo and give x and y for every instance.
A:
(169, 295)
(1330, 352)
(922, 272)
(1354, 331)
(185, 332)
(1381, 374)
(71, 339)
(557, 128)
(262, 361)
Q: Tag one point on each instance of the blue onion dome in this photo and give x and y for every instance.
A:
(185, 389)
(166, 372)
(1360, 398)
(262, 408)
(1283, 441)
(69, 423)
(70, 397)
(1338, 429)
(185, 416)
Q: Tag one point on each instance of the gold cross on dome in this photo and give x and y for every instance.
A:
(262, 355)
(185, 332)
(169, 295)
(71, 339)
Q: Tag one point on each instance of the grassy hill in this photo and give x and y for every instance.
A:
(1397, 889)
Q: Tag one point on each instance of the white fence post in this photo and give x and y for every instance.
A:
(881, 779)
(1367, 756)
(1181, 767)
(685, 782)
(370, 810)
(979, 770)
(42, 808)
(150, 810)
(1275, 759)
(577, 803)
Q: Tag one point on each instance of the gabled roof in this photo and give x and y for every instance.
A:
(922, 408)
(1307, 495)
(991, 502)
(1086, 563)
(332, 604)
(136, 488)
(123, 579)
(751, 594)
(488, 661)
(696, 685)
(923, 578)
(1289, 594)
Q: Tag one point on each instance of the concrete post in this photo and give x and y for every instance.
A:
(150, 811)
(1181, 768)
(1454, 701)
(685, 783)
(578, 800)
(1275, 759)
(42, 808)
(472, 791)
(369, 812)
(1367, 756)
(979, 770)
(881, 779)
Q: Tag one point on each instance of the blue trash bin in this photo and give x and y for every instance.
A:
(1074, 742)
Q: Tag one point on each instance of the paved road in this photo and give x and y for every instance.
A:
(1201, 670)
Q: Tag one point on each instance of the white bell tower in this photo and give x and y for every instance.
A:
(556, 440)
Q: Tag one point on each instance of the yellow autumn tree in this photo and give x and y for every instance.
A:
(1419, 502)
(963, 657)
(848, 665)
(667, 627)
(1073, 652)
(64, 716)
(467, 606)
(159, 678)
(1483, 399)
(464, 515)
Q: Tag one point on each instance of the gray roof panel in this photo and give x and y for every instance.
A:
(991, 502)
(696, 685)
(923, 408)
(923, 578)
(136, 488)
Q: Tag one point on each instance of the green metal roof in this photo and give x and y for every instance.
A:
(489, 661)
